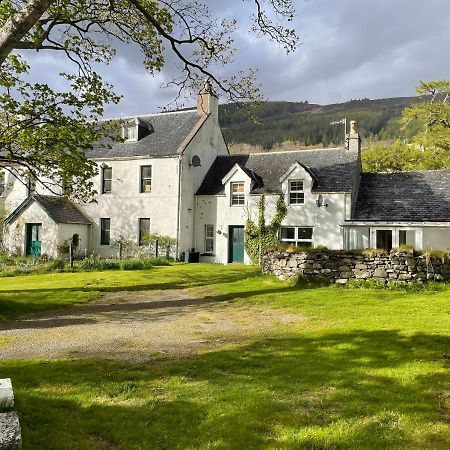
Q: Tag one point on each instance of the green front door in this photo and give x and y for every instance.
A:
(236, 241)
(33, 246)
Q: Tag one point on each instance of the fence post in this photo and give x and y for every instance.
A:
(156, 248)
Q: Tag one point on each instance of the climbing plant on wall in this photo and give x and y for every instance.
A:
(259, 236)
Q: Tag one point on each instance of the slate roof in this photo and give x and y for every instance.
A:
(404, 197)
(336, 170)
(167, 132)
(59, 209)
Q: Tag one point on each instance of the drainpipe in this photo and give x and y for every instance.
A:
(180, 161)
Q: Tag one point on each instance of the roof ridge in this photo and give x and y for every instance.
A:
(297, 151)
(149, 115)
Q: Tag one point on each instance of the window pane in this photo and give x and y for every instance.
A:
(237, 187)
(297, 197)
(296, 185)
(146, 178)
(131, 133)
(305, 233)
(402, 237)
(384, 239)
(209, 231)
(144, 230)
(106, 180)
(105, 231)
(288, 233)
(106, 187)
(146, 171)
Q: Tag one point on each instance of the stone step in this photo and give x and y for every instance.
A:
(6, 393)
(10, 435)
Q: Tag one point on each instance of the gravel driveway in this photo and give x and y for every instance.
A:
(138, 326)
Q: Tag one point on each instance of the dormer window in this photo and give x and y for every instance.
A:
(136, 129)
(130, 133)
(237, 194)
(296, 192)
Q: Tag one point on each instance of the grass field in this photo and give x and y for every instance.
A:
(367, 369)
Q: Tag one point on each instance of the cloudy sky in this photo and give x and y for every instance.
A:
(350, 49)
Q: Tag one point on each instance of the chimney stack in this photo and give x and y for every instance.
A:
(353, 139)
(208, 101)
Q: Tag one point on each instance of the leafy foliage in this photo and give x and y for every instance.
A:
(430, 147)
(399, 157)
(303, 123)
(258, 237)
(46, 134)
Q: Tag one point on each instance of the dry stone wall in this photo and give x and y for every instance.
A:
(340, 267)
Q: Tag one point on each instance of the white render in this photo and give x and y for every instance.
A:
(176, 210)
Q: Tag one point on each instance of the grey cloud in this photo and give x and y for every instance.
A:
(350, 49)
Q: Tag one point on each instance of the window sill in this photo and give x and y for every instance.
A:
(207, 254)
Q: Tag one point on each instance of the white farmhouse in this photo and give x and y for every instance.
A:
(173, 176)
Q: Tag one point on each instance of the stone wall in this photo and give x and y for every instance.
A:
(340, 267)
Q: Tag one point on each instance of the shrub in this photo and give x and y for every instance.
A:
(57, 264)
(136, 264)
(93, 262)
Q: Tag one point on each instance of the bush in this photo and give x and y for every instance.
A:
(57, 264)
(93, 262)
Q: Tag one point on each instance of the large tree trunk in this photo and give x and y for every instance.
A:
(18, 25)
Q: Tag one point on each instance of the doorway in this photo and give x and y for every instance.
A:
(236, 244)
(384, 240)
(33, 239)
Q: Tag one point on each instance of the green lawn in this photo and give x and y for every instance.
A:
(368, 369)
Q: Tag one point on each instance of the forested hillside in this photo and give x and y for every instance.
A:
(308, 124)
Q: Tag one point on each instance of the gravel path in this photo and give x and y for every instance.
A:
(138, 326)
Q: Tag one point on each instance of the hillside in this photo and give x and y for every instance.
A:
(307, 124)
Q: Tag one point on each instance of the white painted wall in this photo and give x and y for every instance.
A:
(66, 231)
(217, 210)
(15, 233)
(126, 204)
(207, 144)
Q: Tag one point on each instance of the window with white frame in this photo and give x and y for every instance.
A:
(296, 192)
(298, 236)
(237, 194)
(146, 179)
(209, 238)
(130, 133)
(106, 180)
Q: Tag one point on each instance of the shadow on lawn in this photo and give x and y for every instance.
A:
(152, 310)
(19, 302)
(358, 389)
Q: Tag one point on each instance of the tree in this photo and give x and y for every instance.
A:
(430, 147)
(36, 119)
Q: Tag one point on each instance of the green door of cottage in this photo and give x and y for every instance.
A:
(236, 240)
(33, 245)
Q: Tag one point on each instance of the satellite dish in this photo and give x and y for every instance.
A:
(196, 161)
